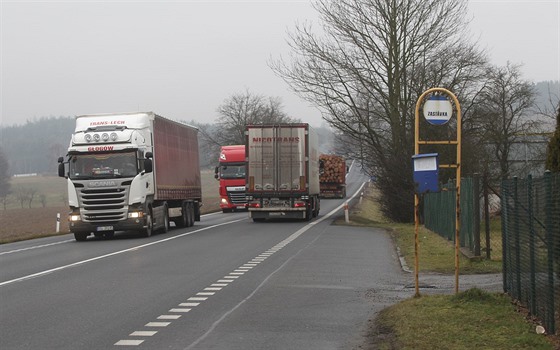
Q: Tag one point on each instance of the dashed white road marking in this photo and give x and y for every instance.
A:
(168, 317)
(179, 310)
(143, 333)
(129, 342)
(230, 278)
(197, 298)
(189, 304)
(157, 324)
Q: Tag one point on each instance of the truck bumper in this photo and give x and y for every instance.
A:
(282, 213)
(133, 224)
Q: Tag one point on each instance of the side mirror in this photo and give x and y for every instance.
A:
(216, 171)
(148, 165)
(61, 169)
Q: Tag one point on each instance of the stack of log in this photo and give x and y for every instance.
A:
(334, 169)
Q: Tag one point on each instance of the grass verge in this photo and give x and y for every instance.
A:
(471, 319)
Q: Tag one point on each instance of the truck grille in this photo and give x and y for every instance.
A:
(103, 204)
(237, 197)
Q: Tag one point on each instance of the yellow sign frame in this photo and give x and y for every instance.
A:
(457, 165)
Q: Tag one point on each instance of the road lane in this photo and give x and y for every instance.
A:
(238, 285)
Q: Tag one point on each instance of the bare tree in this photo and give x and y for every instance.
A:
(246, 108)
(553, 148)
(368, 67)
(25, 195)
(4, 176)
(502, 113)
(21, 195)
(43, 200)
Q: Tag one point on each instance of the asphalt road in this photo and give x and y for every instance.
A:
(226, 283)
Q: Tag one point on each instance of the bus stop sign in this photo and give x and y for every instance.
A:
(437, 110)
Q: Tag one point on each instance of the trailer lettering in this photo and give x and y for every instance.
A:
(276, 139)
(100, 148)
(107, 122)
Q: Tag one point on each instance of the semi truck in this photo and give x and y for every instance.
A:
(282, 171)
(131, 172)
(231, 174)
(333, 176)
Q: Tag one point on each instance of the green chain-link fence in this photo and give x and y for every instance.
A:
(531, 245)
(440, 208)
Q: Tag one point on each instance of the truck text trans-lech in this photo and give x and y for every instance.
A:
(282, 171)
(231, 174)
(131, 171)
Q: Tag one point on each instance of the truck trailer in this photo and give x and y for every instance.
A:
(282, 171)
(333, 176)
(131, 172)
(231, 174)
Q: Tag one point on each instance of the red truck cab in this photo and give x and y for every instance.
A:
(231, 174)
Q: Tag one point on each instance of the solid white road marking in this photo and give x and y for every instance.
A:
(230, 278)
(36, 247)
(281, 244)
(83, 262)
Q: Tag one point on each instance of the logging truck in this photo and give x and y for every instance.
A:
(332, 181)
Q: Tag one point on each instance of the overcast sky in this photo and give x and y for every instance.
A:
(182, 59)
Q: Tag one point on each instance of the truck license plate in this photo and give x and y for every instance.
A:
(105, 228)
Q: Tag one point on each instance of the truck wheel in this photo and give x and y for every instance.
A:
(80, 236)
(165, 228)
(184, 220)
(191, 214)
(149, 225)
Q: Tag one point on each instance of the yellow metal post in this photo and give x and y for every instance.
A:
(457, 165)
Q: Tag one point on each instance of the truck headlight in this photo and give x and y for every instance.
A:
(74, 218)
(224, 201)
(135, 214)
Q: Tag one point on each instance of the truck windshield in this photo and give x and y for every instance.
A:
(103, 165)
(231, 171)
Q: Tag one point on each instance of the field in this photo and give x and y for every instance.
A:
(19, 222)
